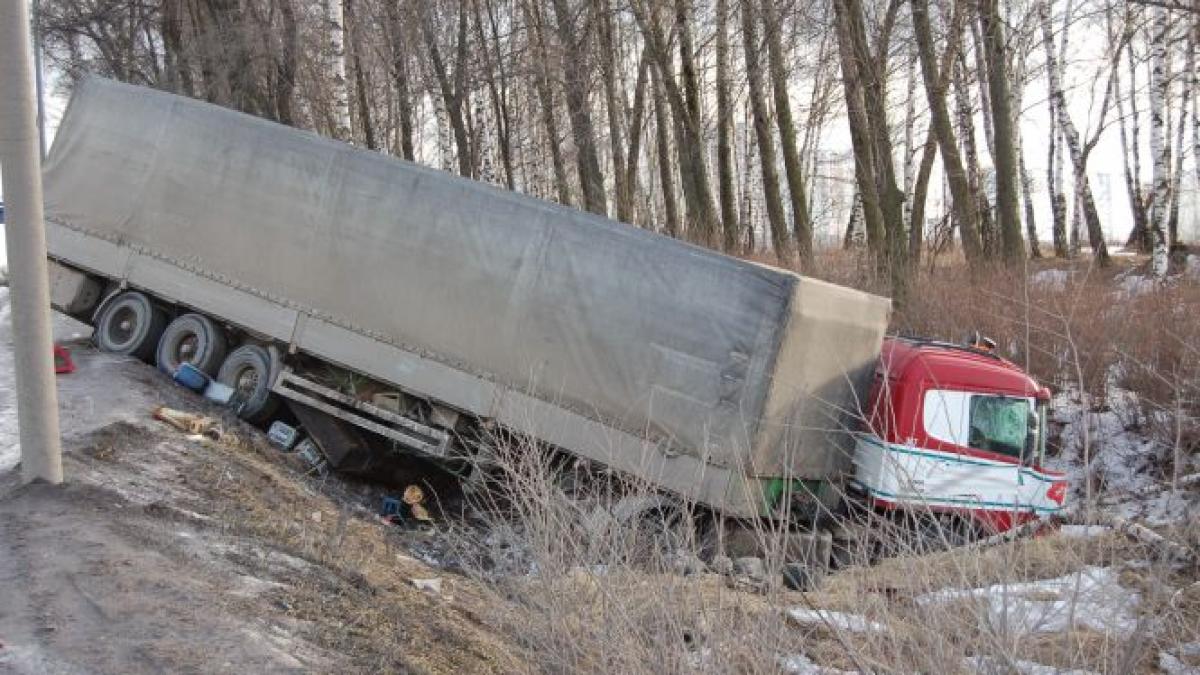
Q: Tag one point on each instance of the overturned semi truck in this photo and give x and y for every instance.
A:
(418, 307)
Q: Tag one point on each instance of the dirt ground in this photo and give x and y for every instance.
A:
(166, 553)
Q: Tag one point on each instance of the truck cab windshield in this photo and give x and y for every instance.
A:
(1005, 425)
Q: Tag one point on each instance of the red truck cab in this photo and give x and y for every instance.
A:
(956, 429)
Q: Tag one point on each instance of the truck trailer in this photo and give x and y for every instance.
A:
(420, 308)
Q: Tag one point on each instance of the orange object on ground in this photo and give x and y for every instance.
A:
(62, 360)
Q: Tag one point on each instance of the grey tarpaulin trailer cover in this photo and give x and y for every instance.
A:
(706, 375)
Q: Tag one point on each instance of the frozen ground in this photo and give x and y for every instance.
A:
(165, 554)
(1110, 444)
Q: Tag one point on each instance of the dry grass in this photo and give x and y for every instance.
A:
(575, 604)
(353, 591)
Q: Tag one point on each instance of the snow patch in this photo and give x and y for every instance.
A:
(10, 442)
(1091, 598)
(799, 664)
(1192, 267)
(853, 623)
(1111, 445)
(991, 665)
(1084, 531)
(1051, 279)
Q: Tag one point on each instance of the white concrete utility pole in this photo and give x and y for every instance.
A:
(25, 234)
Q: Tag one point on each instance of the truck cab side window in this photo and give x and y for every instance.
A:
(994, 423)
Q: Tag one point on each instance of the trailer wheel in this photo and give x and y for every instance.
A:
(247, 370)
(130, 324)
(194, 339)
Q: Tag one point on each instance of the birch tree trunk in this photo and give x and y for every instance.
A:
(1086, 203)
(1189, 86)
(336, 23)
(1055, 160)
(1018, 95)
(1193, 48)
(1160, 174)
(1139, 236)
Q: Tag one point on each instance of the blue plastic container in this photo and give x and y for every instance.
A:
(191, 377)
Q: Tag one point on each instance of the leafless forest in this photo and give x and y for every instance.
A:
(712, 120)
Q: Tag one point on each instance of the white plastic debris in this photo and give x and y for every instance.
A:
(852, 623)
(433, 585)
(1091, 598)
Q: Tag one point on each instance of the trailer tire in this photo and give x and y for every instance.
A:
(130, 324)
(247, 370)
(194, 339)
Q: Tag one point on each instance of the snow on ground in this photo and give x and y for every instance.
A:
(1111, 445)
(1052, 279)
(10, 446)
(1173, 662)
(799, 664)
(1084, 531)
(1093, 598)
(990, 665)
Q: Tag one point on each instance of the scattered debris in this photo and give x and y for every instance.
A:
(687, 564)
(414, 497)
(842, 621)
(433, 585)
(62, 361)
(1172, 550)
(200, 428)
(221, 394)
(1091, 598)
(191, 377)
(1084, 531)
(799, 664)
(750, 567)
(283, 435)
(802, 576)
(308, 451)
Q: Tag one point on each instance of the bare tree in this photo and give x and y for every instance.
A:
(762, 131)
(725, 177)
(936, 78)
(1007, 195)
(801, 225)
(576, 78)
